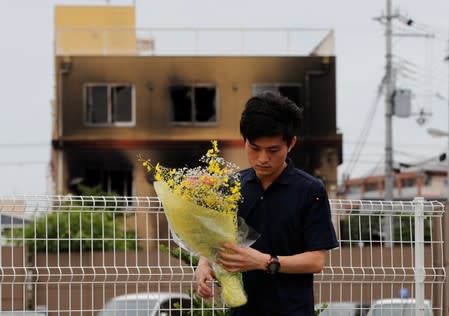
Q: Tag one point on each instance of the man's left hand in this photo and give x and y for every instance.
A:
(236, 258)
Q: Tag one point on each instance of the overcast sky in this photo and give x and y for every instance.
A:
(27, 85)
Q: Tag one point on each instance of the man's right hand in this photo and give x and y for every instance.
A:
(203, 274)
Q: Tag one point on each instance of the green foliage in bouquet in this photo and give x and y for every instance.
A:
(321, 309)
(200, 306)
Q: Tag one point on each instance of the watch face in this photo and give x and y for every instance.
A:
(273, 267)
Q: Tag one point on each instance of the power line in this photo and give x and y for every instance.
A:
(364, 134)
(16, 145)
(400, 144)
(22, 163)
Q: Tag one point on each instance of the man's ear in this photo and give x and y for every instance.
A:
(292, 143)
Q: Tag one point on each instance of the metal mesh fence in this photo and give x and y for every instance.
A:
(114, 256)
(382, 260)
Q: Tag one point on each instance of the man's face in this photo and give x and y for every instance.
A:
(267, 155)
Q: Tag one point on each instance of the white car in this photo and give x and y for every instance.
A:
(398, 307)
(342, 309)
(147, 304)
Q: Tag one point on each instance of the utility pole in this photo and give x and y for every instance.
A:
(389, 181)
(446, 59)
(389, 85)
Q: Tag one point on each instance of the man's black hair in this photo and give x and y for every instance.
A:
(270, 114)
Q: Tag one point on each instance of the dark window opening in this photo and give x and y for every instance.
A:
(205, 104)
(193, 104)
(112, 181)
(291, 91)
(182, 100)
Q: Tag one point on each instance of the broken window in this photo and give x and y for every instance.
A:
(289, 90)
(112, 181)
(193, 104)
(109, 104)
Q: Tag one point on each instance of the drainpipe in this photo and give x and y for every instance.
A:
(63, 70)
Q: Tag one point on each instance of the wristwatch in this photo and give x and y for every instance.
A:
(273, 265)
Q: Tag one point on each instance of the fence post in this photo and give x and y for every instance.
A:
(419, 255)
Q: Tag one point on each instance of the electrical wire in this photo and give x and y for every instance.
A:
(365, 132)
(16, 145)
(22, 163)
(402, 144)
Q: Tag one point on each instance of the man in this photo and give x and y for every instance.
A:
(287, 206)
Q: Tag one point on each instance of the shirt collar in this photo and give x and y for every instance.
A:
(284, 178)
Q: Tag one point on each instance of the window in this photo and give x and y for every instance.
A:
(354, 189)
(109, 104)
(117, 181)
(371, 187)
(194, 104)
(289, 90)
(408, 183)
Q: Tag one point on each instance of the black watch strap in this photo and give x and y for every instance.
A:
(273, 265)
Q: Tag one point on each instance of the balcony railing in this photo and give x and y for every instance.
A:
(194, 41)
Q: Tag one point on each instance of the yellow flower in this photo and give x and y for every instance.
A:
(215, 185)
(213, 152)
(214, 191)
(214, 167)
(215, 145)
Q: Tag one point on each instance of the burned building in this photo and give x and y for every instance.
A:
(121, 93)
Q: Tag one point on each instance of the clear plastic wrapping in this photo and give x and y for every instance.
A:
(202, 231)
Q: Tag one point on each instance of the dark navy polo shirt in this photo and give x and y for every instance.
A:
(293, 216)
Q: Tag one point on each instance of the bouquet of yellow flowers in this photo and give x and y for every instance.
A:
(201, 208)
